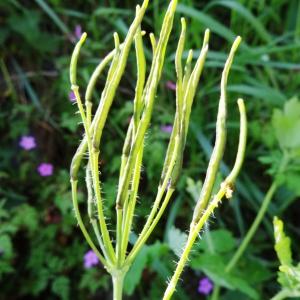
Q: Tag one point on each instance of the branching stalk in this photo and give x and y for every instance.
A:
(114, 255)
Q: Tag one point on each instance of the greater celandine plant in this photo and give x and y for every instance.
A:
(115, 256)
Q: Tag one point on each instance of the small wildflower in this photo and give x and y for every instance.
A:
(166, 128)
(78, 31)
(205, 286)
(171, 85)
(90, 259)
(27, 142)
(72, 96)
(45, 169)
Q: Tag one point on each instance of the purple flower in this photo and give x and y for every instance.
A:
(27, 142)
(45, 169)
(171, 85)
(205, 286)
(166, 128)
(90, 259)
(72, 96)
(78, 31)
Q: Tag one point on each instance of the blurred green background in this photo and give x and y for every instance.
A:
(41, 248)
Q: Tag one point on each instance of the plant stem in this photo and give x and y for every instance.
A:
(253, 227)
(216, 292)
(118, 280)
(194, 232)
(262, 211)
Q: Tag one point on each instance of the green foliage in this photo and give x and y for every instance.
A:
(145, 258)
(213, 252)
(288, 275)
(61, 287)
(282, 243)
(286, 124)
(176, 240)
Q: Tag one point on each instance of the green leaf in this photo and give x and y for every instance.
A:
(54, 17)
(6, 246)
(289, 275)
(69, 122)
(286, 124)
(134, 275)
(61, 287)
(207, 21)
(214, 267)
(282, 243)
(144, 258)
(26, 216)
(34, 287)
(220, 240)
(93, 281)
(245, 14)
(194, 188)
(176, 240)
(292, 180)
(27, 25)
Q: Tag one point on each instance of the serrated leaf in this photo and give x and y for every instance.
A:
(282, 243)
(286, 124)
(61, 287)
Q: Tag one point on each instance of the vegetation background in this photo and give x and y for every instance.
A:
(42, 250)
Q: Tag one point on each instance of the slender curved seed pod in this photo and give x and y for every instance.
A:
(138, 101)
(194, 79)
(224, 190)
(242, 144)
(76, 160)
(74, 59)
(126, 148)
(149, 96)
(179, 99)
(187, 101)
(187, 70)
(97, 72)
(179, 135)
(220, 140)
(153, 42)
(93, 159)
(141, 75)
(130, 202)
(115, 80)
